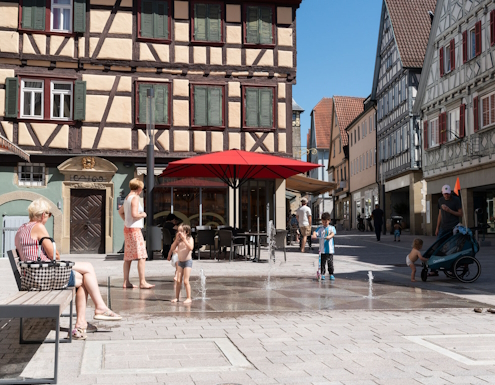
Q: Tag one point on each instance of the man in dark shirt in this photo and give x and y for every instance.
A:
(377, 215)
(449, 212)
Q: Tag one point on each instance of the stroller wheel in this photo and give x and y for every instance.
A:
(467, 269)
(424, 275)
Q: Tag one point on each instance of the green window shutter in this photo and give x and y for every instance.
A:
(165, 104)
(265, 25)
(252, 36)
(266, 108)
(79, 15)
(251, 107)
(159, 104)
(28, 13)
(214, 106)
(200, 16)
(200, 106)
(160, 20)
(79, 100)
(39, 15)
(214, 23)
(33, 14)
(143, 90)
(146, 18)
(11, 97)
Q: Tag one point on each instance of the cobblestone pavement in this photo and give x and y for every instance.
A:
(298, 331)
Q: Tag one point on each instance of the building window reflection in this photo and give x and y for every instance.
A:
(186, 195)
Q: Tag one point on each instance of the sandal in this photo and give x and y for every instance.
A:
(91, 328)
(108, 316)
(491, 310)
(78, 334)
(478, 310)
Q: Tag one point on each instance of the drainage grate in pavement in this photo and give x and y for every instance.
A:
(162, 356)
(469, 349)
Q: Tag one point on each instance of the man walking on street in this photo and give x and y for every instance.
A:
(304, 218)
(449, 212)
(377, 215)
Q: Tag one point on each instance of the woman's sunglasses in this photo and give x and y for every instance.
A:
(48, 213)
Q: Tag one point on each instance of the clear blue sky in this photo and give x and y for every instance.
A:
(336, 51)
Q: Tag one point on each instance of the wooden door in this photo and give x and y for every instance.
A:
(87, 221)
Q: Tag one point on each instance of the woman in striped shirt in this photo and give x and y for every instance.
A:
(83, 276)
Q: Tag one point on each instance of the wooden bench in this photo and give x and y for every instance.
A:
(37, 304)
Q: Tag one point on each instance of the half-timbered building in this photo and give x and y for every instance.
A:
(345, 110)
(456, 100)
(362, 163)
(74, 75)
(317, 152)
(402, 41)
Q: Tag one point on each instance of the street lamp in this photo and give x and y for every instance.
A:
(150, 167)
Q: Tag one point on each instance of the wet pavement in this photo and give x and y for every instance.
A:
(234, 295)
(285, 329)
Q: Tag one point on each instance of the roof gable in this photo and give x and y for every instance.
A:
(347, 108)
(411, 25)
(322, 122)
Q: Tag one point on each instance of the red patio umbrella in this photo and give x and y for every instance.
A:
(235, 167)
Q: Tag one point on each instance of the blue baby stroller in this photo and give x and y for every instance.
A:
(454, 254)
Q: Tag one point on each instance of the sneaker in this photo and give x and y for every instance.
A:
(332, 278)
(323, 277)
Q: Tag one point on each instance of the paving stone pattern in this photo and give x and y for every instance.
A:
(411, 333)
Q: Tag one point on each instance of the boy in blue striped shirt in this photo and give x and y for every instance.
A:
(325, 234)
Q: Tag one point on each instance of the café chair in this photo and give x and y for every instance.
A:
(281, 241)
(227, 239)
(204, 237)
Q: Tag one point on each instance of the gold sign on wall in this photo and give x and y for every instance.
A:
(88, 162)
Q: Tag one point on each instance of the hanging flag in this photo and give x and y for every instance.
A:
(457, 187)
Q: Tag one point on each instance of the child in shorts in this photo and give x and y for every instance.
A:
(183, 246)
(325, 233)
(414, 255)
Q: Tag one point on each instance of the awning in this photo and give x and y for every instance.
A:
(6, 144)
(312, 186)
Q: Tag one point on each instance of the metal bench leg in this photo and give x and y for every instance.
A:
(57, 339)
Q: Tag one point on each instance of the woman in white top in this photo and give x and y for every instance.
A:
(133, 214)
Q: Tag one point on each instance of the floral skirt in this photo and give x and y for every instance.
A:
(135, 248)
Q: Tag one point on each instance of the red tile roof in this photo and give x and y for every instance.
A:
(411, 25)
(347, 108)
(322, 115)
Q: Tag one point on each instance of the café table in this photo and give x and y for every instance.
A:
(257, 246)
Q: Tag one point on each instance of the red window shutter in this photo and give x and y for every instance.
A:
(441, 62)
(476, 114)
(462, 123)
(477, 31)
(440, 128)
(452, 54)
(444, 127)
(464, 47)
(425, 134)
(440, 125)
(492, 27)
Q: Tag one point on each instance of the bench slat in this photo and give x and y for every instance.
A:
(31, 297)
(8, 300)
